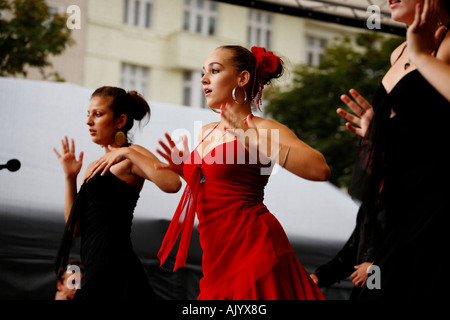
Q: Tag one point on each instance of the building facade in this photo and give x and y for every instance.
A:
(158, 47)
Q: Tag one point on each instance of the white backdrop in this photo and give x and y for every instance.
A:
(35, 115)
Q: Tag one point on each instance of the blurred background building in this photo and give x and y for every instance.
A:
(158, 47)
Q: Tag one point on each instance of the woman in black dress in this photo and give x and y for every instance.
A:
(102, 211)
(404, 157)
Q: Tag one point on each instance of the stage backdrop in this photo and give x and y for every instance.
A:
(317, 217)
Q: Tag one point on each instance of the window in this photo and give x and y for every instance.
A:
(193, 94)
(134, 78)
(314, 50)
(138, 13)
(200, 16)
(53, 10)
(259, 29)
(55, 7)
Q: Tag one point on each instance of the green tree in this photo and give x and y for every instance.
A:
(309, 106)
(28, 35)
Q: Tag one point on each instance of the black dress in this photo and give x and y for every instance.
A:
(407, 159)
(104, 208)
(360, 247)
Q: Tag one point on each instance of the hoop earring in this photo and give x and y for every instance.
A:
(233, 94)
(120, 138)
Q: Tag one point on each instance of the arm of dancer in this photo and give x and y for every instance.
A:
(71, 168)
(280, 144)
(273, 140)
(142, 164)
(435, 71)
(422, 37)
(70, 194)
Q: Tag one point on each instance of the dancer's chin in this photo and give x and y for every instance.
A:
(98, 142)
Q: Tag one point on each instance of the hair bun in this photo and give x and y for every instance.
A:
(139, 108)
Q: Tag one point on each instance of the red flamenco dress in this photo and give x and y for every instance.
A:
(246, 254)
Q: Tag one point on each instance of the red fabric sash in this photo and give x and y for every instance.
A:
(182, 222)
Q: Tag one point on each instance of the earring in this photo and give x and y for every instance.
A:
(233, 94)
(120, 138)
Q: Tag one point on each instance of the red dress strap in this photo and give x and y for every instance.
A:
(208, 135)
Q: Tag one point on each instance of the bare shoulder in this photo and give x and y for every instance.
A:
(143, 151)
(281, 130)
(262, 123)
(139, 148)
(209, 126)
(206, 129)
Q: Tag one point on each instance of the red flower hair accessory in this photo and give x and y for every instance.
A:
(266, 63)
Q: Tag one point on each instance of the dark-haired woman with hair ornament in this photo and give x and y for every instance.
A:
(246, 253)
(101, 212)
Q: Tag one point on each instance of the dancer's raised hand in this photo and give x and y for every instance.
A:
(174, 157)
(362, 113)
(71, 166)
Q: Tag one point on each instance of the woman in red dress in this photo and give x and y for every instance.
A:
(246, 254)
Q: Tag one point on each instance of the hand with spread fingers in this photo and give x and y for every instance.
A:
(362, 113)
(174, 157)
(428, 44)
(71, 166)
(423, 35)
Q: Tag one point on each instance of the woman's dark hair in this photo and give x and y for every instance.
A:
(130, 103)
(244, 60)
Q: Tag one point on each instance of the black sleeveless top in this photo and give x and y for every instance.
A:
(405, 157)
(105, 224)
(104, 207)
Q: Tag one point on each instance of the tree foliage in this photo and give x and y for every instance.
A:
(309, 106)
(29, 33)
